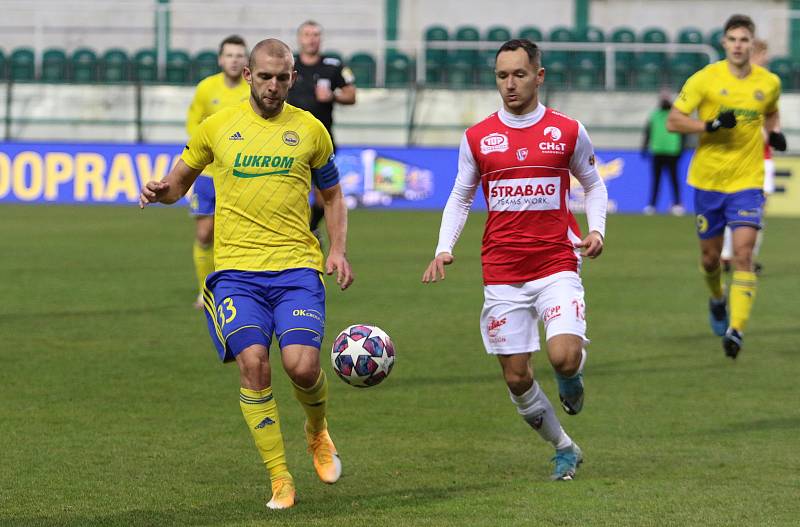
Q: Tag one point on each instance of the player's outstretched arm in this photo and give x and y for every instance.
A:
(171, 188)
(679, 122)
(592, 245)
(336, 223)
(435, 269)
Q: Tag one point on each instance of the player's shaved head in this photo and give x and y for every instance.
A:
(271, 47)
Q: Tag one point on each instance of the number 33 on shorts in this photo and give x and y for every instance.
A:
(226, 311)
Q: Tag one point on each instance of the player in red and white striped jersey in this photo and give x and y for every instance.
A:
(522, 157)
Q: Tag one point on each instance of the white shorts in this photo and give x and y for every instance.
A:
(509, 320)
(769, 176)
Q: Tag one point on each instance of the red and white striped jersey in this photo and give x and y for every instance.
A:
(523, 165)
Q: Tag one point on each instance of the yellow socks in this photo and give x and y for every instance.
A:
(742, 295)
(261, 415)
(714, 282)
(203, 262)
(315, 403)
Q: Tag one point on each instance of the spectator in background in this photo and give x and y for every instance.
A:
(321, 82)
(665, 147)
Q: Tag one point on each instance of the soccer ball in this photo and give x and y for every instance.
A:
(362, 355)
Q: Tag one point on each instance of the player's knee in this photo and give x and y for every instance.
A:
(305, 375)
(518, 382)
(567, 364)
(743, 258)
(254, 367)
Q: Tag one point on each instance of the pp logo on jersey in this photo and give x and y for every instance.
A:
(494, 325)
(494, 142)
(522, 153)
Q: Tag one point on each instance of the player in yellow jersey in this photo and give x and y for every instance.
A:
(267, 154)
(226, 88)
(734, 100)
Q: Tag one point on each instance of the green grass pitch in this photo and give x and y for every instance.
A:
(114, 409)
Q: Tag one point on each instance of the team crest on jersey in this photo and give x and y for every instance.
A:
(723, 92)
(291, 138)
(522, 154)
(553, 132)
(759, 95)
(494, 142)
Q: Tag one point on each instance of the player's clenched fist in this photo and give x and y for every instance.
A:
(152, 192)
(436, 267)
(592, 244)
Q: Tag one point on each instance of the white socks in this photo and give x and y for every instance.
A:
(536, 410)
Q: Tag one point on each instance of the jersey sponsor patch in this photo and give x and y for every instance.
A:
(541, 193)
(494, 142)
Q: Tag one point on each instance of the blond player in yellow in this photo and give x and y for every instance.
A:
(734, 100)
(268, 263)
(221, 90)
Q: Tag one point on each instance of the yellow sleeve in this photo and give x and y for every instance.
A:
(196, 112)
(324, 151)
(691, 94)
(775, 94)
(197, 153)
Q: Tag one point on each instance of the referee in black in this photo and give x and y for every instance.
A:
(321, 82)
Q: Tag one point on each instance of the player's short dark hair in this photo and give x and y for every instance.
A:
(233, 39)
(533, 51)
(744, 21)
(312, 23)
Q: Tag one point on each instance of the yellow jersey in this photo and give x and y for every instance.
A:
(262, 180)
(730, 160)
(210, 96)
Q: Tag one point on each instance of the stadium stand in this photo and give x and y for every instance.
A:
(204, 65)
(179, 67)
(54, 65)
(115, 66)
(22, 65)
(2, 65)
(363, 67)
(435, 58)
(145, 68)
(83, 66)
(399, 69)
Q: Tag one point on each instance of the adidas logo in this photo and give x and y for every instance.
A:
(236, 137)
(266, 422)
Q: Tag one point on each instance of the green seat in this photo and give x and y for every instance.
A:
(588, 67)
(363, 67)
(54, 65)
(624, 61)
(556, 68)
(558, 62)
(785, 69)
(484, 67)
(691, 35)
(715, 39)
(21, 65)
(399, 69)
(649, 71)
(532, 33)
(83, 66)
(179, 67)
(145, 67)
(648, 62)
(462, 63)
(681, 67)
(498, 34)
(115, 66)
(2, 65)
(435, 58)
(204, 64)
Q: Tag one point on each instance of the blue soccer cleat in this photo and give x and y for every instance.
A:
(567, 461)
(732, 343)
(718, 315)
(570, 389)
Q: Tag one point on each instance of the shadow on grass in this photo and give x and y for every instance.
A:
(340, 508)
